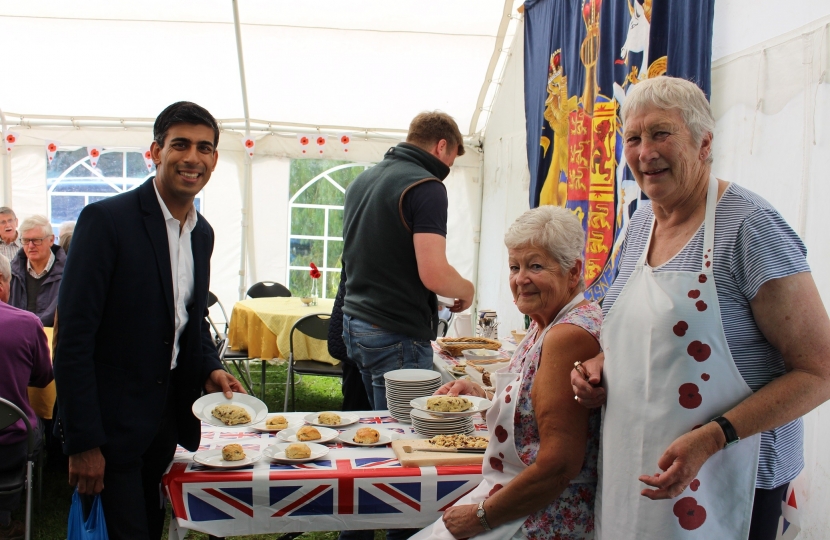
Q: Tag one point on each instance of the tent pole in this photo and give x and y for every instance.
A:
(7, 166)
(247, 181)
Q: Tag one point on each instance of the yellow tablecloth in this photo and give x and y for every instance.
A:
(262, 327)
(42, 400)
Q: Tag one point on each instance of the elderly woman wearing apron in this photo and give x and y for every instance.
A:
(540, 466)
(714, 342)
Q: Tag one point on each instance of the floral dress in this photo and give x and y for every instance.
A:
(571, 516)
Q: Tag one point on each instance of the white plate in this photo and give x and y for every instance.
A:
(479, 405)
(292, 423)
(386, 436)
(290, 435)
(203, 406)
(425, 418)
(346, 419)
(213, 458)
(481, 354)
(411, 375)
(276, 452)
(413, 386)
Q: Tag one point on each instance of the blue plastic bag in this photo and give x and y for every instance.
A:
(94, 528)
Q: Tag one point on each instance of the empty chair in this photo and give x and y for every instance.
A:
(15, 478)
(315, 326)
(443, 326)
(268, 289)
(239, 359)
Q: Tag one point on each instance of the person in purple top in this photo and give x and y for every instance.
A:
(24, 362)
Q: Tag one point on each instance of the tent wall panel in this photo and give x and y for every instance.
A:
(269, 219)
(506, 185)
(29, 184)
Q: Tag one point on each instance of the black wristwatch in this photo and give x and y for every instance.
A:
(728, 431)
(480, 513)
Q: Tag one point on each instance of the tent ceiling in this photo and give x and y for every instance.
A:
(366, 64)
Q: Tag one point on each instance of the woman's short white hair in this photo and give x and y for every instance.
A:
(673, 93)
(67, 227)
(36, 221)
(553, 228)
(5, 269)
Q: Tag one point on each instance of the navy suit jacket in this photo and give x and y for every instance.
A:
(115, 343)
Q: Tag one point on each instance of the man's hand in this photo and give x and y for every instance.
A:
(222, 381)
(682, 461)
(589, 393)
(462, 303)
(86, 470)
(462, 521)
(460, 387)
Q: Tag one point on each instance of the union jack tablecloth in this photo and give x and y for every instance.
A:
(350, 488)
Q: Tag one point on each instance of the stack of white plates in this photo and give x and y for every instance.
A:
(429, 426)
(404, 385)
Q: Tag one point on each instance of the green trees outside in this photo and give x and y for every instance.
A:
(316, 233)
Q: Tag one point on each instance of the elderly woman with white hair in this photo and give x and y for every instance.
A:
(540, 469)
(715, 341)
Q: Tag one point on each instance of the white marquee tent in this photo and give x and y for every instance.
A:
(97, 73)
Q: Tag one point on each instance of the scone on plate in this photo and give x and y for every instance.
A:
(233, 452)
(276, 422)
(231, 415)
(329, 418)
(366, 435)
(298, 451)
(308, 433)
(448, 404)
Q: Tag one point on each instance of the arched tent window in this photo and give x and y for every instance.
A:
(316, 221)
(72, 182)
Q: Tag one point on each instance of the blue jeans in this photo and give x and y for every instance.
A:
(378, 351)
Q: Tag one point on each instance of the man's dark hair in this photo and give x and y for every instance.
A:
(428, 128)
(183, 112)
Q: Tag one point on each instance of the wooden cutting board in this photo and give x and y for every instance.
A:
(430, 459)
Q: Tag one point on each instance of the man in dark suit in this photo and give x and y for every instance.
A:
(134, 350)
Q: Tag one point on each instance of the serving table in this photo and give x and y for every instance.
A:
(442, 361)
(351, 488)
(262, 326)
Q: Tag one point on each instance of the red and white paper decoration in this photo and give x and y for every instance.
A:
(321, 143)
(249, 146)
(9, 139)
(345, 139)
(94, 153)
(304, 143)
(51, 150)
(148, 158)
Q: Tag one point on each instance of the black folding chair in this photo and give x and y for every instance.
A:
(15, 479)
(268, 289)
(239, 359)
(315, 326)
(443, 326)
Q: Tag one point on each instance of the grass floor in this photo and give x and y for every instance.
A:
(49, 519)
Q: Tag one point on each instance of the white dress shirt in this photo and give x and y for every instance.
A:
(181, 266)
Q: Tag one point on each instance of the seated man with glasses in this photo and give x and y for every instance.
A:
(37, 270)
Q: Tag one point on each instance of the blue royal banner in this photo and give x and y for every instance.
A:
(581, 59)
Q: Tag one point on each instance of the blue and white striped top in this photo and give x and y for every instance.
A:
(753, 244)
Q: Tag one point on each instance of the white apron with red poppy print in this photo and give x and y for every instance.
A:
(501, 460)
(668, 370)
